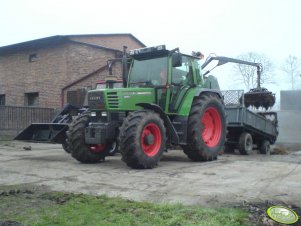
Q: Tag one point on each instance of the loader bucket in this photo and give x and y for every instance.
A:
(44, 132)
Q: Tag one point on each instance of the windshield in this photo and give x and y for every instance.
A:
(148, 73)
(100, 86)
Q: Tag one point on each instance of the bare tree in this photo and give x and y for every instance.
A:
(248, 73)
(291, 67)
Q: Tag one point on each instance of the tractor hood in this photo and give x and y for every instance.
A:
(121, 99)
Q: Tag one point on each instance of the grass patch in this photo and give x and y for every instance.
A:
(36, 207)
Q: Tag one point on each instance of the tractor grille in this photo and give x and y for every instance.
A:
(112, 100)
(96, 100)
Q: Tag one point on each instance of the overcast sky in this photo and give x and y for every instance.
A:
(223, 27)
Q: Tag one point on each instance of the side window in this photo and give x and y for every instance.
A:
(182, 75)
(2, 99)
(32, 57)
(31, 99)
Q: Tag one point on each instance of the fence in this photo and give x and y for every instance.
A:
(14, 119)
(233, 98)
(290, 100)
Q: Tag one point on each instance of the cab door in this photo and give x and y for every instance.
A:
(181, 82)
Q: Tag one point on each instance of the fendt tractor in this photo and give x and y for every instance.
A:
(165, 101)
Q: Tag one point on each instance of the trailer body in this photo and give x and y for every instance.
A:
(262, 127)
(241, 118)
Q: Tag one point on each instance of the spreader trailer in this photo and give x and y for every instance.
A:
(247, 129)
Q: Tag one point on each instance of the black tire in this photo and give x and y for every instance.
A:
(113, 149)
(76, 139)
(142, 139)
(265, 147)
(201, 147)
(245, 144)
(65, 146)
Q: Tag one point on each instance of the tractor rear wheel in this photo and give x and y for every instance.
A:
(245, 143)
(76, 139)
(206, 128)
(142, 139)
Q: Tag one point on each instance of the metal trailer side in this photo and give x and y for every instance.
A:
(262, 126)
(242, 119)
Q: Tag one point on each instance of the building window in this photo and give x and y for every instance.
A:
(2, 99)
(31, 99)
(32, 57)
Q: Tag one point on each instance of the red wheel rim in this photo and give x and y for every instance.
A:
(212, 127)
(151, 149)
(98, 148)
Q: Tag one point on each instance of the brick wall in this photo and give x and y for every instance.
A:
(56, 67)
(41, 76)
(83, 60)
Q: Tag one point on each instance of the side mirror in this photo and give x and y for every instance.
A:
(176, 59)
(109, 67)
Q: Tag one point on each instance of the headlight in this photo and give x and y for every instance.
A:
(104, 113)
(93, 114)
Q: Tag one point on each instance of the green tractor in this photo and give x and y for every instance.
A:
(166, 102)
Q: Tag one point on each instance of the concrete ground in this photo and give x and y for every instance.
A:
(231, 179)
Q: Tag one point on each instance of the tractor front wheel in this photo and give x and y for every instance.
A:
(66, 147)
(76, 139)
(206, 129)
(142, 139)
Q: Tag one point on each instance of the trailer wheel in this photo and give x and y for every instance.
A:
(206, 129)
(245, 144)
(142, 139)
(76, 138)
(265, 147)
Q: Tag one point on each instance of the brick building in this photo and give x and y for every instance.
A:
(41, 72)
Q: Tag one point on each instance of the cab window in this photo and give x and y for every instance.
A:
(182, 75)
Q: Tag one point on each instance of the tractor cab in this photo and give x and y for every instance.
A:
(170, 73)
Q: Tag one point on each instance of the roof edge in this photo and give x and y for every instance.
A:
(36, 43)
(59, 38)
(110, 34)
